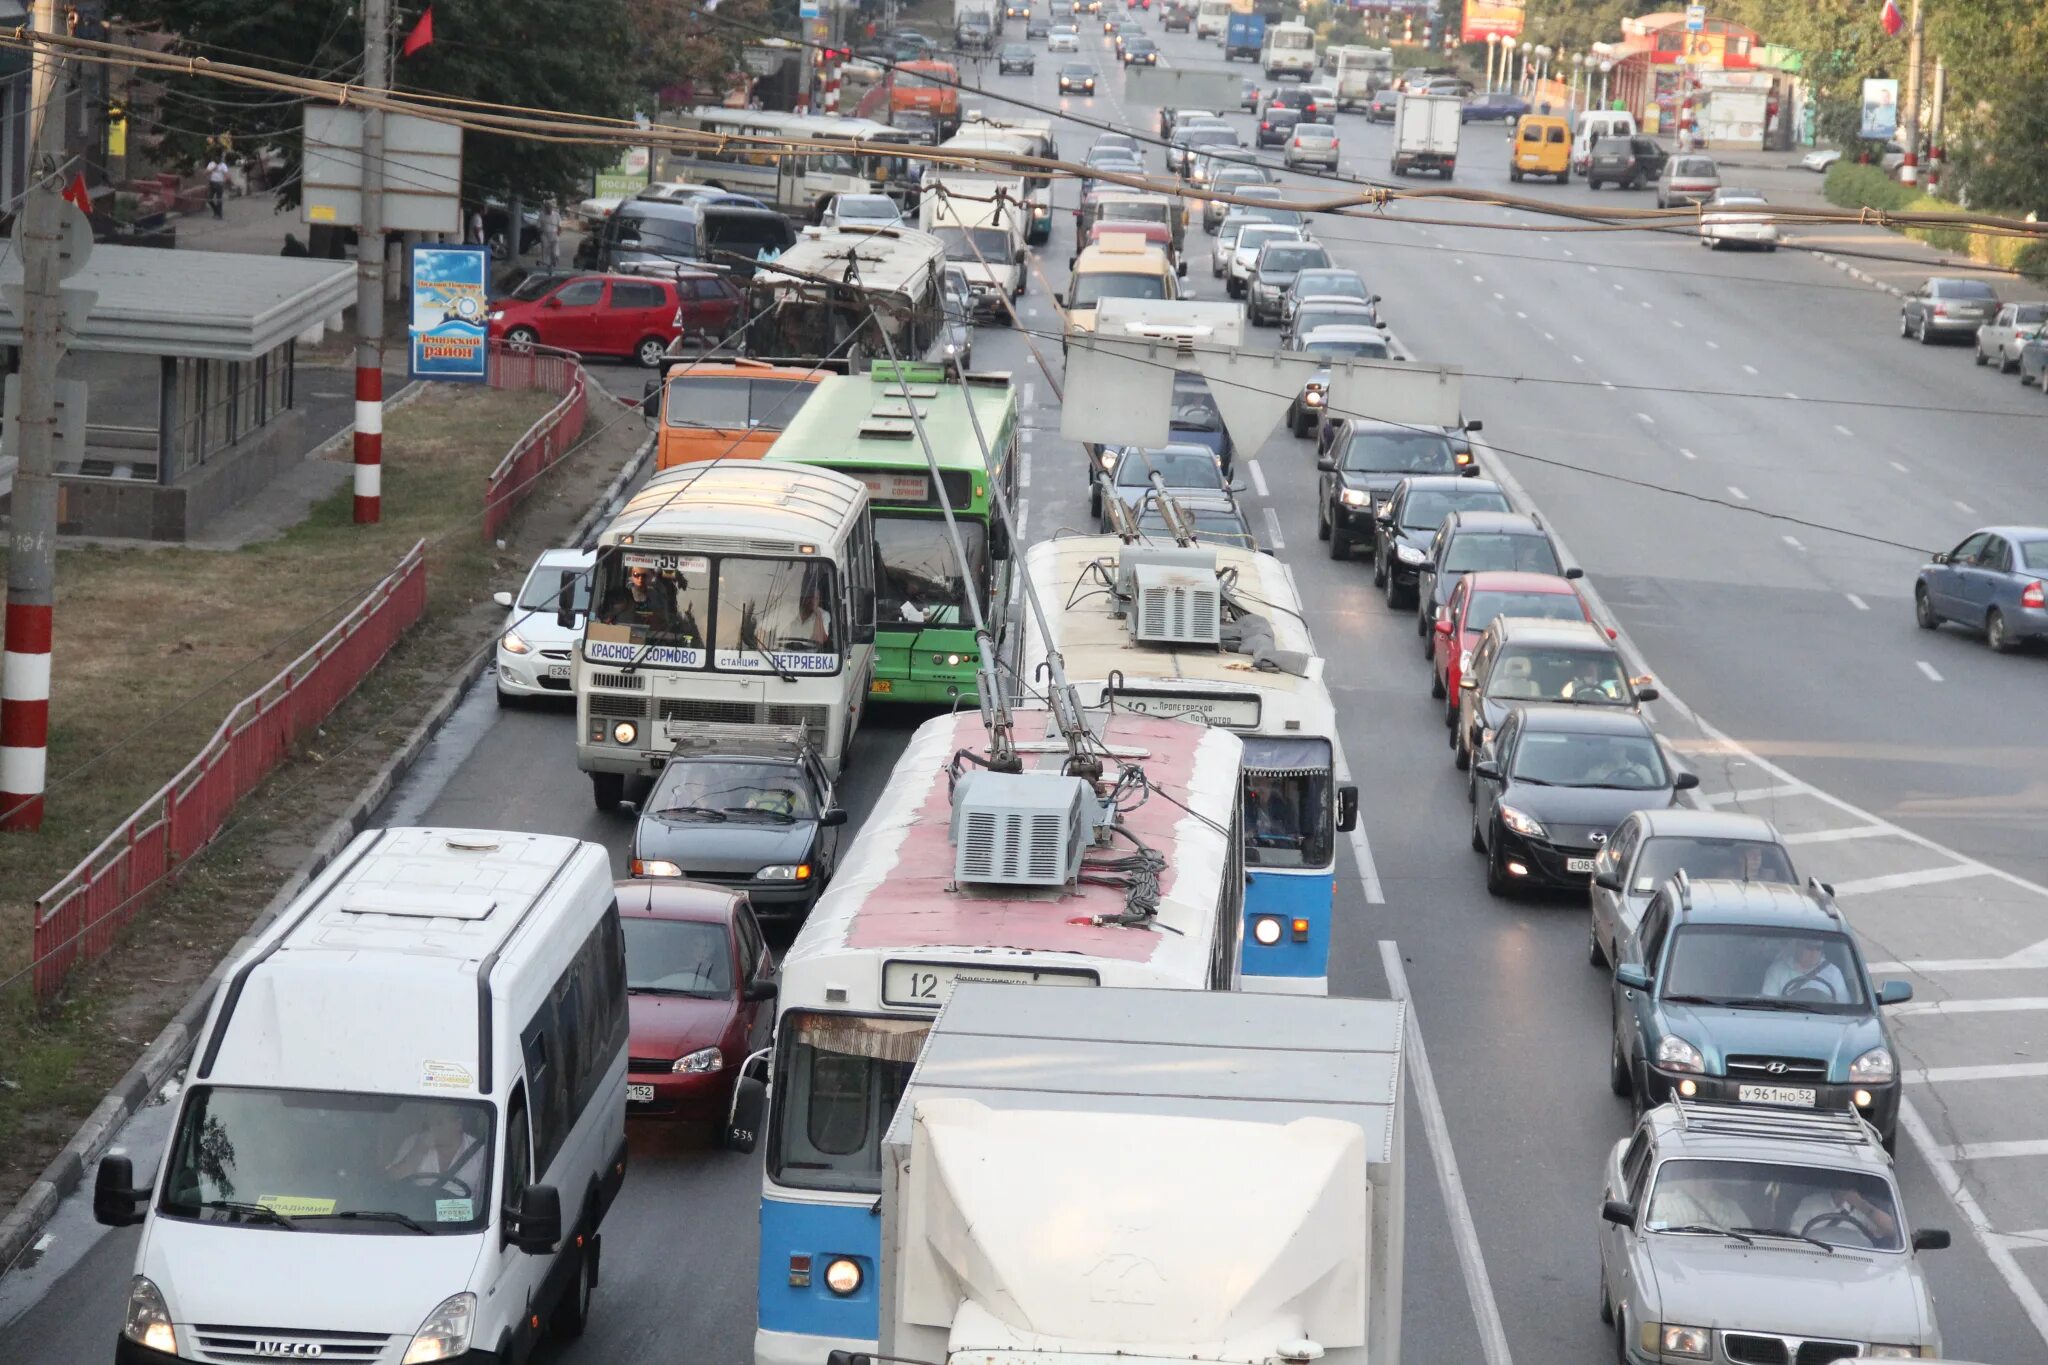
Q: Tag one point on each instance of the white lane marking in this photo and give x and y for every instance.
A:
(1030, 393)
(1926, 876)
(1567, 251)
(1493, 1338)
(1274, 540)
(1749, 369)
(1793, 541)
(1996, 1249)
(1023, 520)
(1548, 337)
(1361, 847)
(1478, 279)
(1933, 674)
(1962, 506)
(1841, 430)
(1835, 836)
(1737, 493)
(1791, 395)
(1457, 260)
(1258, 477)
(1578, 360)
(1646, 303)
(1713, 345)
(2014, 1004)
(1679, 325)
(1606, 383)
(1984, 1151)
(1746, 794)
(1499, 297)
(1024, 464)
(1857, 602)
(1523, 316)
(1646, 419)
(1687, 453)
(1951, 1075)
(1901, 468)
(2033, 957)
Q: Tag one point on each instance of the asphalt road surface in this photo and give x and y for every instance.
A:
(1749, 464)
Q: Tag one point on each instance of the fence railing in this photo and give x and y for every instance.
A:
(546, 441)
(77, 919)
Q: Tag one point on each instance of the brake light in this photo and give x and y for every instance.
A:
(2033, 596)
(1941, 310)
(1265, 127)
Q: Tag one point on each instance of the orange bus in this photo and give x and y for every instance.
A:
(930, 87)
(729, 409)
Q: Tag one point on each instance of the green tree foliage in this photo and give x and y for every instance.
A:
(1575, 25)
(541, 53)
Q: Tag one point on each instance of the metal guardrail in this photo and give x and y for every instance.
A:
(547, 440)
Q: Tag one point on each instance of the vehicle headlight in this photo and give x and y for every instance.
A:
(495, 315)
(1521, 823)
(1874, 1067)
(1266, 930)
(1354, 498)
(1315, 397)
(1675, 1054)
(1671, 1339)
(1408, 554)
(952, 349)
(149, 1317)
(515, 643)
(655, 867)
(625, 732)
(842, 1277)
(445, 1333)
(1109, 459)
(784, 872)
(1883, 1351)
(697, 1063)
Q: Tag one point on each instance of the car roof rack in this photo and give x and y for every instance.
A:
(1842, 1127)
(1684, 884)
(1825, 894)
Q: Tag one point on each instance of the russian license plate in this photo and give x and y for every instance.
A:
(560, 671)
(639, 1094)
(1775, 1094)
(884, 685)
(1578, 864)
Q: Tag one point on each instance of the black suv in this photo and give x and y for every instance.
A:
(1630, 162)
(1469, 541)
(1276, 125)
(1294, 97)
(1401, 534)
(1360, 462)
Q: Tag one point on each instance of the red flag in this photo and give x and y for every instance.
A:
(78, 194)
(422, 34)
(1893, 21)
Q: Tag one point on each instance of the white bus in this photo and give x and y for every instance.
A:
(727, 593)
(1019, 137)
(798, 183)
(1290, 51)
(1358, 72)
(882, 281)
(1263, 681)
(1212, 17)
(893, 933)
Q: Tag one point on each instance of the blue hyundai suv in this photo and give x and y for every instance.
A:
(1751, 993)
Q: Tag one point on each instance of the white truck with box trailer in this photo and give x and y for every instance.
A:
(1146, 1176)
(1426, 129)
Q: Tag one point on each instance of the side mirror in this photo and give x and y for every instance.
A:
(848, 1358)
(1894, 992)
(1347, 808)
(830, 816)
(749, 1107)
(1575, 572)
(1326, 463)
(114, 1195)
(1180, 268)
(1487, 769)
(1060, 299)
(565, 600)
(536, 1225)
(1606, 878)
(1647, 694)
(1685, 782)
(1444, 628)
(503, 599)
(1942, 558)
(1931, 1239)
(759, 989)
(551, 302)
(1474, 425)
(1633, 976)
(1467, 683)
(1619, 1212)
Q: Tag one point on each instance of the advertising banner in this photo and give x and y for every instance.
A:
(450, 302)
(1880, 110)
(1492, 16)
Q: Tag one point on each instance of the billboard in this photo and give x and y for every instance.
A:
(1492, 16)
(422, 171)
(1880, 110)
(450, 305)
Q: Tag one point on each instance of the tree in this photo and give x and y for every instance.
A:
(1575, 25)
(482, 49)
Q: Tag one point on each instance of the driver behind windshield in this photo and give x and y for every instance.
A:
(644, 602)
(1803, 970)
(440, 1147)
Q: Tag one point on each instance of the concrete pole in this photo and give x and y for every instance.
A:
(1934, 152)
(32, 541)
(1909, 170)
(369, 428)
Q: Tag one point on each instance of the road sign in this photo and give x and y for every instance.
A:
(1695, 18)
(809, 9)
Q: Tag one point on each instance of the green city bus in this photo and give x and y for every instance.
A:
(860, 426)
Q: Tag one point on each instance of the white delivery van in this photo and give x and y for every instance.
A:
(405, 1120)
(1598, 123)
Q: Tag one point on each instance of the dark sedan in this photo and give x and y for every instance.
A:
(1383, 106)
(758, 817)
(1077, 78)
(1017, 57)
(1501, 106)
(1196, 420)
(1555, 783)
(1402, 533)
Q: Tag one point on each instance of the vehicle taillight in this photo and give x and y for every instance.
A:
(2033, 596)
(1265, 127)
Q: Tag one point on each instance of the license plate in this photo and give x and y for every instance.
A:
(1775, 1094)
(639, 1094)
(560, 671)
(884, 685)
(1578, 864)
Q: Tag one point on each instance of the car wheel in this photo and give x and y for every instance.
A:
(1461, 757)
(1515, 174)
(650, 351)
(2006, 366)
(607, 790)
(507, 698)
(1620, 1075)
(1595, 954)
(1925, 340)
(521, 338)
(1478, 840)
(1606, 1302)
(1496, 875)
(1393, 595)
(1639, 1090)
(1436, 685)
(1979, 356)
(1905, 327)
(1997, 634)
(1923, 609)
(572, 1314)
(1322, 520)
(1095, 500)
(1380, 577)
(1340, 543)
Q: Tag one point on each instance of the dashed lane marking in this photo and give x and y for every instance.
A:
(1258, 477)
(1841, 430)
(1744, 795)
(1793, 541)
(1836, 836)
(1956, 1075)
(1274, 540)
(1933, 674)
(1857, 602)
(1925, 876)
(1737, 493)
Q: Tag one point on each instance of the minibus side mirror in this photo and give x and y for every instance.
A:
(565, 600)
(1347, 808)
(536, 1226)
(114, 1196)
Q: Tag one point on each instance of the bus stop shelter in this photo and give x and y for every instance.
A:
(190, 360)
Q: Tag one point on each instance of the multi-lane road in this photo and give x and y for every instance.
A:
(1742, 455)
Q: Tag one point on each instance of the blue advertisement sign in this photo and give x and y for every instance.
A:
(450, 310)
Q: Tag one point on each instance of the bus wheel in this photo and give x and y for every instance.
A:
(607, 790)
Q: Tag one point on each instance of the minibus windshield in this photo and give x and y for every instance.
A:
(331, 1161)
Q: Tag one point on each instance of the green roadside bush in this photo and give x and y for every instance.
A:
(1852, 186)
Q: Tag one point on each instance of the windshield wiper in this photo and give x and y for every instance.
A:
(1709, 1230)
(248, 1210)
(375, 1216)
(673, 990)
(755, 644)
(776, 815)
(704, 812)
(1790, 1235)
(1698, 999)
(1792, 1006)
(1531, 781)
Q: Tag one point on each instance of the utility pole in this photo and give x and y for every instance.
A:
(369, 433)
(1909, 169)
(32, 542)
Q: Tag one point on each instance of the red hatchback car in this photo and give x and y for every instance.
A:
(636, 316)
(699, 981)
(1478, 598)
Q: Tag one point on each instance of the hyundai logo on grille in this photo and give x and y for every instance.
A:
(1775, 1068)
(289, 1349)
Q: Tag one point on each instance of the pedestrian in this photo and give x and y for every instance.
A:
(550, 234)
(217, 184)
(475, 235)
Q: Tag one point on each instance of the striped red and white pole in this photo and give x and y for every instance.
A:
(831, 87)
(24, 715)
(369, 444)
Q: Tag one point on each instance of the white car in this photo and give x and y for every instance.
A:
(1737, 218)
(862, 210)
(1245, 254)
(1064, 38)
(534, 648)
(1819, 159)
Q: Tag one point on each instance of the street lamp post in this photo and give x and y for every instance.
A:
(1573, 64)
(1606, 68)
(1522, 74)
(1542, 68)
(1492, 50)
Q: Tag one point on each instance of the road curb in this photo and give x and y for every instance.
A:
(1860, 276)
(168, 1050)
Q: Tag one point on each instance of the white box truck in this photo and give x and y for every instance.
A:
(1146, 1175)
(1426, 131)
